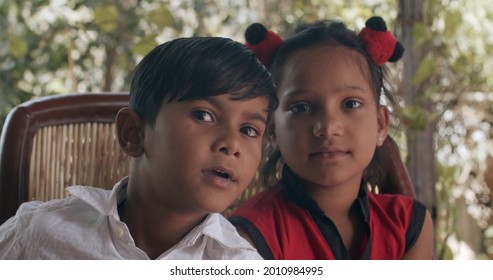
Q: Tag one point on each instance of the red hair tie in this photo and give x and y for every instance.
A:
(380, 43)
(263, 42)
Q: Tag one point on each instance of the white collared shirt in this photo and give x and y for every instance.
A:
(86, 225)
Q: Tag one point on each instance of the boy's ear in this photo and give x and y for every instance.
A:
(383, 124)
(130, 132)
(271, 133)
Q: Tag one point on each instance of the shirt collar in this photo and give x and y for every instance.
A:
(214, 226)
(291, 188)
(104, 201)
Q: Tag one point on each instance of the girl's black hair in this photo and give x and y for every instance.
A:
(332, 33)
(197, 67)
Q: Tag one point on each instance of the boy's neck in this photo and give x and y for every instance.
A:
(156, 233)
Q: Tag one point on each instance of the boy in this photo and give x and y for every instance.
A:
(198, 110)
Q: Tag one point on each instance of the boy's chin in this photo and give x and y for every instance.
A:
(214, 207)
(220, 210)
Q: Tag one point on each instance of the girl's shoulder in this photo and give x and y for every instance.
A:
(400, 210)
(392, 200)
(263, 201)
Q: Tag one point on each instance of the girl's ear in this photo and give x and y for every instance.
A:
(130, 132)
(383, 120)
(271, 133)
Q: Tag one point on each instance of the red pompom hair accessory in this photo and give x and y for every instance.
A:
(263, 42)
(380, 43)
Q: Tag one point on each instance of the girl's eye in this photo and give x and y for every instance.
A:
(351, 104)
(202, 115)
(250, 131)
(299, 108)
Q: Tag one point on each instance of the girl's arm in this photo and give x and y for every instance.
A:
(423, 248)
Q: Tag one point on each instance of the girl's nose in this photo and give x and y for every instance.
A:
(327, 125)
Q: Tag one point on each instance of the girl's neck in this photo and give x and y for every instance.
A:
(335, 201)
(337, 204)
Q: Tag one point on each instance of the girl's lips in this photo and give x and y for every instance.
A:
(329, 152)
(331, 149)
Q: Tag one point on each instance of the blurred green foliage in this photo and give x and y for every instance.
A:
(60, 46)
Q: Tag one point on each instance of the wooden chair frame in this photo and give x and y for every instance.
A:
(24, 121)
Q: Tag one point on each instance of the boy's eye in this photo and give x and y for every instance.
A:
(250, 131)
(202, 116)
(351, 104)
(299, 108)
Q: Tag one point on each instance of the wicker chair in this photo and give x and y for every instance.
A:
(396, 179)
(52, 142)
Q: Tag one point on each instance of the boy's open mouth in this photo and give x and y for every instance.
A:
(221, 174)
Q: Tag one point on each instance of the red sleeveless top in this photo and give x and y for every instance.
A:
(287, 224)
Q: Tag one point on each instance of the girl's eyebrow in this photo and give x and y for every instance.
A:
(295, 92)
(339, 89)
(349, 87)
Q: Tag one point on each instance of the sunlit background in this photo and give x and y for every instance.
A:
(62, 46)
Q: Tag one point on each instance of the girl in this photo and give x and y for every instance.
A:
(325, 133)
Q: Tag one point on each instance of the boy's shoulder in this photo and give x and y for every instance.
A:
(80, 201)
(54, 229)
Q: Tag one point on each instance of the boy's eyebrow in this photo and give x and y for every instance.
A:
(248, 115)
(256, 116)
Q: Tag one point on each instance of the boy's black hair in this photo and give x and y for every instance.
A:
(332, 33)
(198, 67)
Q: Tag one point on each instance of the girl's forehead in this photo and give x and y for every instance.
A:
(323, 62)
(326, 53)
(324, 71)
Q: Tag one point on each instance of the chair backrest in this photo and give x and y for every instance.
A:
(396, 180)
(52, 142)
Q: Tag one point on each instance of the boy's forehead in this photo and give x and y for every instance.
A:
(256, 107)
(241, 96)
(229, 97)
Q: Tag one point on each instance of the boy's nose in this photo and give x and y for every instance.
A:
(228, 143)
